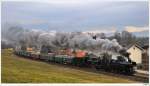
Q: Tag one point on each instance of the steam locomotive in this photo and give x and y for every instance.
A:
(112, 63)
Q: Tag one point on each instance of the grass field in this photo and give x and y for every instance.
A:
(21, 70)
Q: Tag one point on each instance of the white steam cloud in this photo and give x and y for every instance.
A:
(18, 36)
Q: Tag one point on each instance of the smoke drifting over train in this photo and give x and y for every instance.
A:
(18, 36)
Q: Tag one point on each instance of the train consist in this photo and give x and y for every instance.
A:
(112, 63)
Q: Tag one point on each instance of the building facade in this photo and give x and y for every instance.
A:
(145, 57)
(135, 53)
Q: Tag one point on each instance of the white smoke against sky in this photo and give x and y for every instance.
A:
(87, 42)
(58, 40)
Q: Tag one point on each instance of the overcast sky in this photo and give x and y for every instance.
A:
(78, 15)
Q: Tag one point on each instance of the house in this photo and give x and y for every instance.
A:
(135, 52)
(139, 54)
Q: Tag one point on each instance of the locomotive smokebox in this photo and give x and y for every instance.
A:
(125, 53)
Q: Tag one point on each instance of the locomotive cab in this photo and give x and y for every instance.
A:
(123, 65)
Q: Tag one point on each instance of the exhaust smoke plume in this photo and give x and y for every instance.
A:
(18, 36)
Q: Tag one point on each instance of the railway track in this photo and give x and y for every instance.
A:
(136, 77)
(140, 77)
